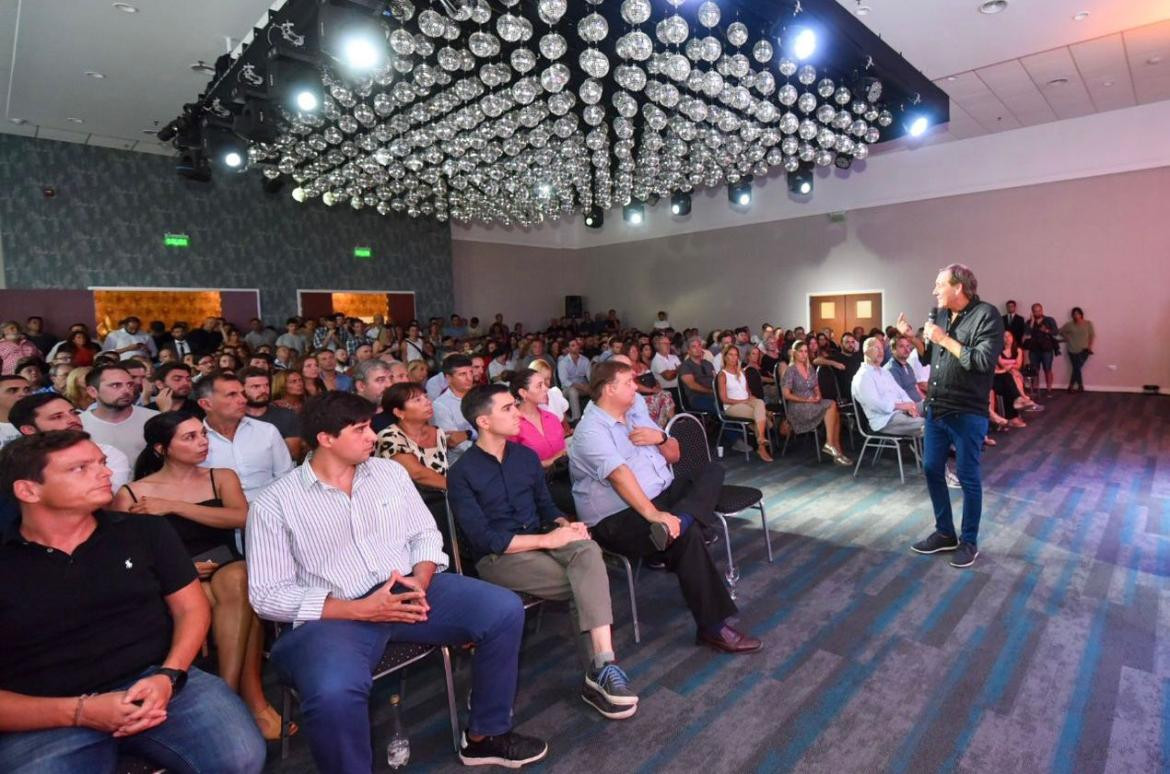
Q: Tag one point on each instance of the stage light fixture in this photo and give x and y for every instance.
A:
(352, 36)
(740, 193)
(634, 213)
(594, 217)
(224, 147)
(804, 44)
(800, 182)
(680, 203)
(192, 164)
(294, 79)
(918, 126)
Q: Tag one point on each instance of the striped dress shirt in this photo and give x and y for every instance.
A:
(308, 540)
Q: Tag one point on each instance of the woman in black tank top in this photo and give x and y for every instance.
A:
(207, 508)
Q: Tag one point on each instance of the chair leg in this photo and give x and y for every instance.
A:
(898, 450)
(452, 708)
(633, 599)
(787, 438)
(767, 535)
(817, 443)
(860, 457)
(732, 574)
(746, 444)
(285, 717)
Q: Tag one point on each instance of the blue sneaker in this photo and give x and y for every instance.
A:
(613, 684)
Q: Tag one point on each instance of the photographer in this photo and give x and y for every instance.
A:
(1041, 340)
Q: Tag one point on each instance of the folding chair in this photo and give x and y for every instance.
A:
(815, 432)
(694, 453)
(738, 425)
(878, 441)
(845, 407)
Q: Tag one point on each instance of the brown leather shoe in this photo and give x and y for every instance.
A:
(729, 641)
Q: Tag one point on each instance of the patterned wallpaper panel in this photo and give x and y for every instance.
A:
(105, 226)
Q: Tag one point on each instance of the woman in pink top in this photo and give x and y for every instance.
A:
(540, 430)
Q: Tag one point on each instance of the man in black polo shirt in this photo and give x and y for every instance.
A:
(964, 340)
(102, 614)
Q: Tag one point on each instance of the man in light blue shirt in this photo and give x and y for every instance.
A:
(887, 406)
(635, 505)
(573, 373)
(449, 409)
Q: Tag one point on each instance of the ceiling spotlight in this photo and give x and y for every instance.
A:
(95, 75)
(634, 213)
(125, 8)
(993, 6)
(233, 159)
(361, 54)
(680, 203)
(307, 101)
(918, 126)
(863, 10)
(350, 36)
(202, 68)
(1058, 82)
(800, 182)
(74, 120)
(223, 146)
(594, 217)
(740, 192)
(1080, 16)
(804, 44)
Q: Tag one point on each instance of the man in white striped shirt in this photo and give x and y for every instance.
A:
(344, 548)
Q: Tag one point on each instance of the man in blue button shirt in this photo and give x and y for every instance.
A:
(520, 540)
(625, 490)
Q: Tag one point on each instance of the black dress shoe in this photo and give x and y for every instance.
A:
(729, 640)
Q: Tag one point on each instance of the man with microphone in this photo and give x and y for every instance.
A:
(964, 337)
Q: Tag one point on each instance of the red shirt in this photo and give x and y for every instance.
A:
(547, 445)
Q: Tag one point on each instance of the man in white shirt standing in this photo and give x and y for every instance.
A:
(114, 419)
(888, 407)
(665, 364)
(130, 341)
(449, 406)
(43, 412)
(573, 373)
(250, 447)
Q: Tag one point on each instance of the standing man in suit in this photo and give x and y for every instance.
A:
(1014, 322)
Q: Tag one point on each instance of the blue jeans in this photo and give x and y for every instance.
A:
(697, 402)
(207, 729)
(966, 433)
(330, 664)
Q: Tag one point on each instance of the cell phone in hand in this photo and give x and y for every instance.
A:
(220, 555)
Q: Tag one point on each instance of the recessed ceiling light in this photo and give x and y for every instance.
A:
(1080, 16)
(1058, 82)
(1155, 59)
(952, 77)
(203, 68)
(150, 131)
(993, 6)
(863, 10)
(125, 8)
(1107, 84)
(95, 75)
(18, 120)
(74, 120)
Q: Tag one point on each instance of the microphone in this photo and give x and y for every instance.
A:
(932, 315)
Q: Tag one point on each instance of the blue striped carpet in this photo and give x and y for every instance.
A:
(1043, 657)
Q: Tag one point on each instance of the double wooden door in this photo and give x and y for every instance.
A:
(844, 311)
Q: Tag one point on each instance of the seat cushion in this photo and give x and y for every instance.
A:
(733, 499)
(398, 653)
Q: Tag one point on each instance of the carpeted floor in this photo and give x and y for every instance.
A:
(1043, 657)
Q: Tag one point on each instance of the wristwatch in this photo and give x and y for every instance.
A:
(178, 678)
(665, 438)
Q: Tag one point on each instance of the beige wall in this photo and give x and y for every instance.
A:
(1101, 243)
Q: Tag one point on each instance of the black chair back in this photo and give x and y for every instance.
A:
(692, 442)
(755, 382)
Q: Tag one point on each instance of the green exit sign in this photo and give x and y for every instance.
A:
(363, 252)
(176, 240)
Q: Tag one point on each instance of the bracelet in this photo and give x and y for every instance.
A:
(80, 704)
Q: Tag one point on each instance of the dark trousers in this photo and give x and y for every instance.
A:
(1005, 387)
(1078, 362)
(330, 663)
(626, 532)
(966, 433)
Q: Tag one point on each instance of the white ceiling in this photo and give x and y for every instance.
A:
(46, 46)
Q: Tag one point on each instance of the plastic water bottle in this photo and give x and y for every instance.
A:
(398, 751)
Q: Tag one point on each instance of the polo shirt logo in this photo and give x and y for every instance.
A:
(129, 564)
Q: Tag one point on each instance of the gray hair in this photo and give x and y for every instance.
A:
(961, 274)
(873, 341)
(693, 339)
(367, 368)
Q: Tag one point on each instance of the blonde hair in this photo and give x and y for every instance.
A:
(414, 365)
(540, 365)
(75, 387)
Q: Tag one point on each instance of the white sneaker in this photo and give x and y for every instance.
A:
(953, 480)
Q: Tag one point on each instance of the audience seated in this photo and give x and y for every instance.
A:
(626, 492)
(172, 389)
(288, 390)
(903, 372)
(101, 664)
(34, 331)
(12, 389)
(258, 405)
(14, 346)
(805, 408)
(665, 363)
(573, 373)
(370, 379)
(205, 507)
(357, 572)
(659, 402)
(697, 375)
(557, 403)
(889, 407)
(520, 540)
(113, 418)
(330, 376)
(739, 403)
(45, 411)
(253, 449)
(448, 415)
